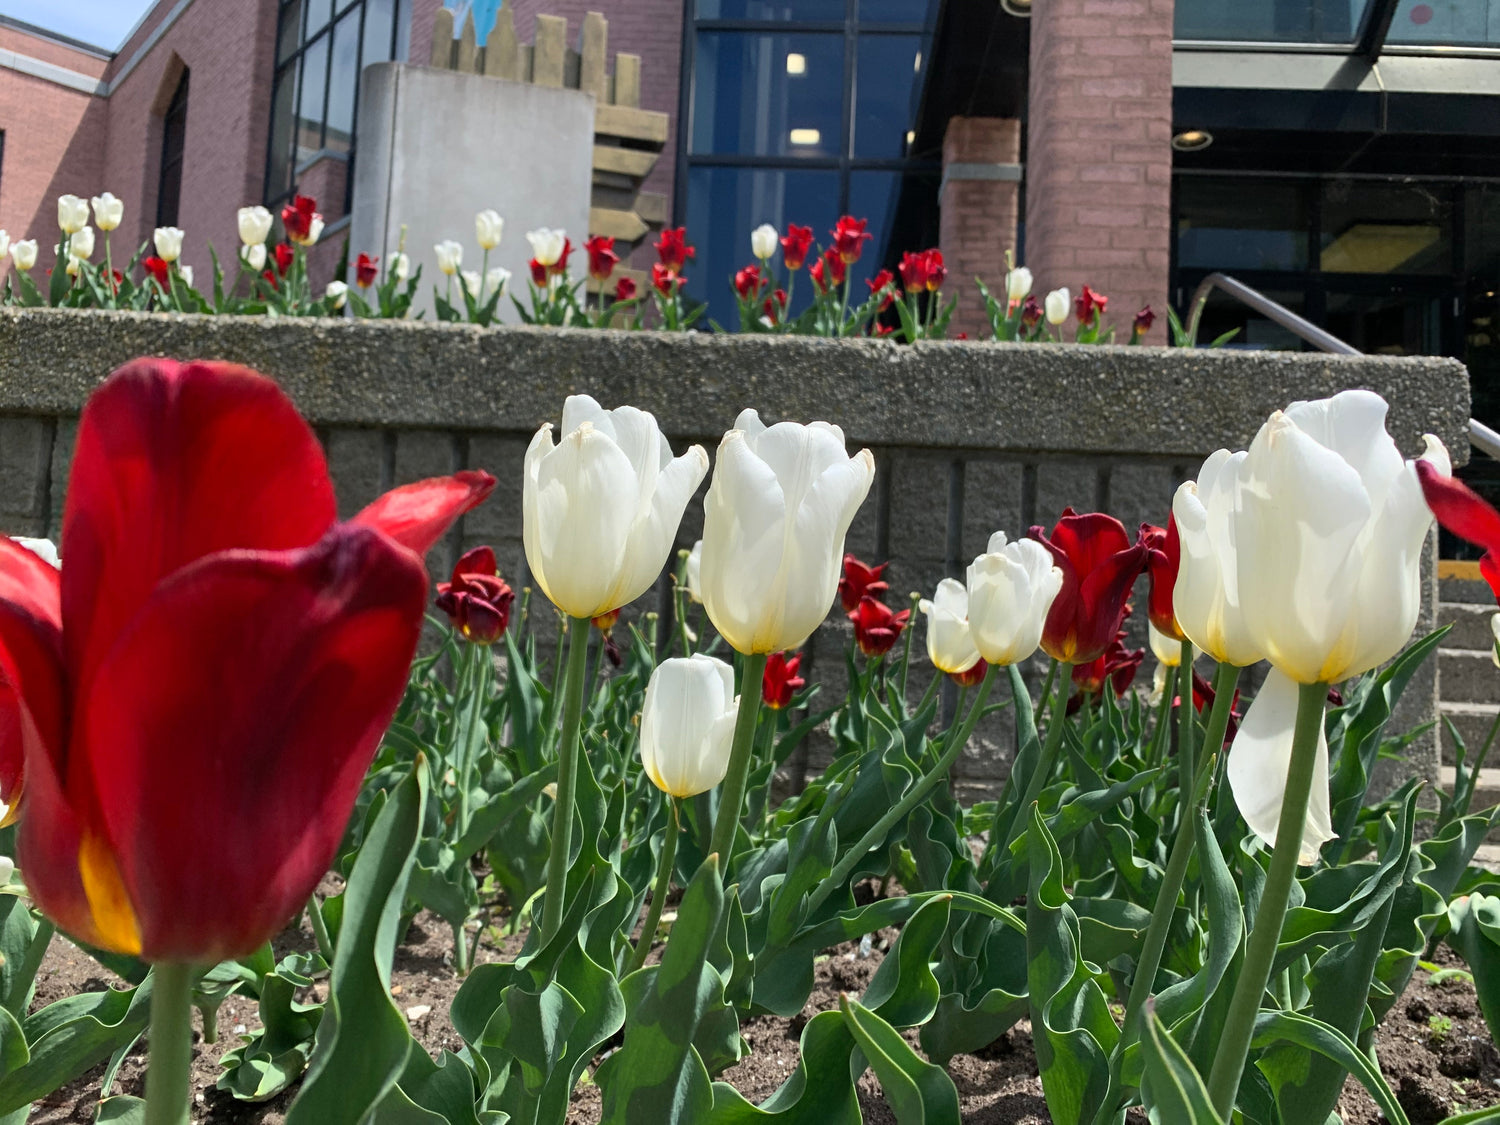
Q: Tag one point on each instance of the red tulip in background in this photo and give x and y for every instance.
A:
(882, 282)
(747, 282)
(476, 599)
(1031, 312)
(673, 250)
(775, 306)
(937, 272)
(1142, 324)
(973, 677)
(849, 236)
(876, 628)
(366, 270)
(538, 273)
(1099, 567)
(199, 693)
(560, 267)
(778, 683)
(625, 289)
(1116, 666)
(913, 271)
(1164, 554)
(1465, 513)
(858, 581)
(298, 217)
(284, 255)
(664, 279)
(158, 269)
(1088, 303)
(602, 257)
(795, 244)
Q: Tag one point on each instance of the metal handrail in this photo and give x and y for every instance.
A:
(1481, 437)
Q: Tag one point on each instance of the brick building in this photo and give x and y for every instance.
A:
(1338, 154)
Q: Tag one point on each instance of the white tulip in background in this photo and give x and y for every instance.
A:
(4, 243)
(1495, 648)
(497, 280)
(472, 281)
(601, 507)
(108, 211)
(400, 266)
(763, 241)
(71, 269)
(1314, 536)
(1018, 284)
(337, 292)
(72, 213)
(44, 549)
(546, 245)
(687, 724)
(7, 865)
(23, 253)
(1056, 305)
(695, 573)
(450, 256)
(950, 644)
(1011, 588)
(186, 273)
(254, 256)
(1168, 651)
(168, 243)
(81, 244)
(255, 225)
(314, 232)
(774, 523)
(488, 226)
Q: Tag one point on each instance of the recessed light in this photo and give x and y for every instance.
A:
(806, 136)
(1192, 140)
(795, 63)
(1021, 8)
(916, 64)
(911, 136)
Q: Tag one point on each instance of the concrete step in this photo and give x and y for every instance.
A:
(1467, 676)
(1473, 721)
(1471, 624)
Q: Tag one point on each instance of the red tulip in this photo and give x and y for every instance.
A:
(1203, 700)
(747, 282)
(828, 271)
(477, 600)
(673, 250)
(876, 628)
(913, 270)
(859, 580)
(1088, 303)
(298, 217)
(1142, 324)
(1462, 511)
(664, 279)
(937, 272)
(780, 681)
(795, 244)
(366, 270)
(775, 306)
(1031, 312)
(602, 257)
(1099, 567)
(971, 678)
(1163, 557)
(284, 256)
(849, 237)
(1116, 666)
(560, 267)
(882, 283)
(159, 270)
(625, 289)
(200, 693)
(538, 274)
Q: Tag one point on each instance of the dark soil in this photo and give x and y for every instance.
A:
(1436, 1070)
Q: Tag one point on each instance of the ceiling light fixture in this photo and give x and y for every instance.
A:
(1192, 140)
(795, 63)
(806, 136)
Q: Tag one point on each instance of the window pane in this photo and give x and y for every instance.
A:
(319, 12)
(768, 95)
(900, 209)
(310, 100)
(343, 4)
(899, 11)
(343, 83)
(832, 10)
(1449, 22)
(379, 15)
(726, 204)
(1395, 323)
(1241, 224)
(887, 91)
(291, 30)
(279, 174)
(1386, 228)
(1223, 313)
(1268, 21)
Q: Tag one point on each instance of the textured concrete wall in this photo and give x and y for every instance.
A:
(437, 146)
(968, 438)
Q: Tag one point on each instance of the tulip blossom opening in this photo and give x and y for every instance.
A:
(780, 682)
(859, 580)
(876, 626)
(950, 643)
(687, 724)
(794, 246)
(1463, 512)
(476, 599)
(1099, 567)
(366, 270)
(301, 220)
(625, 289)
(849, 237)
(673, 250)
(1011, 589)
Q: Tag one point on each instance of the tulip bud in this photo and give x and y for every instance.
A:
(186, 273)
(1018, 284)
(601, 507)
(81, 244)
(450, 256)
(255, 225)
(687, 724)
(1011, 589)
(1168, 651)
(950, 644)
(168, 243)
(23, 253)
(780, 682)
(72, 268)
(1057, 305)
(488, 226)
(763, 240)
(108, 211)
(400, 266)
(72, 213)
(337, 292)
(254, 256)
(695, 573)
(774, 524)
(547, 245)
(497, 280)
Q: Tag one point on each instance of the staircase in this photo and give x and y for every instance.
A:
(1469, 682)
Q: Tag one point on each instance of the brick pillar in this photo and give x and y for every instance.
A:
(979, 211)
(1099, 154)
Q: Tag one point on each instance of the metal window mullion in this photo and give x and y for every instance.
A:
(327, 83)
(846, 138)
(359, 76)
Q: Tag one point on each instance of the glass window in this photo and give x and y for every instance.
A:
(805, 11)
(313, 87)
(768, 94)
(1241, 224)
(899, 11)
(1252, 332)
(318, 14)
(173, 148)
(886, 92)
(343, 82)
(1391, 323)
(1456, 23)
(1271, 21)
(380, 19)
(279, 167)
(1372, 227)
(291, 30)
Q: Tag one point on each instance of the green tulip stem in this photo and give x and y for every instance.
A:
(1038, 779)
(20, 995)
(906, 655)
(927, 696)
(659, 890)
(1041, 700)
(567, 778)
(872, 839)
(1226, 679)
(474, 733)
(680, 600)
(1260, 948)
(168, 1084)
(1169, 688)
(732, 795)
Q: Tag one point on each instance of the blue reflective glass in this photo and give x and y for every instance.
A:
(1452, 23)
(1271, 21)
(887, 92)
(899, 208)
(1241, 224)
(897, 11)
(343, 84)
(776, 10)
(768, 94)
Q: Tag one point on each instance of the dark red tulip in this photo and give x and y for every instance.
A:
(971, 678)
(538, 273)
(876, 628)
(625, 289)
(1462, 511)
(859, 580)
(1031, 312)
(913, 270)
(1164, 554)
(298, 217)
(1142, 324)
(849, 237)
(775, 306)
(1099, 567)
(780, 681)
(560, 267)
(284, 256)
(1088, 303)
(829, 271)
(664, 280)
(366, 270)
(602, 257)
(200, 694)
(1203, 702)
(476, 599)
(1116, 666)
(883, 282)
(159, 270)
(795, 244)
(937, 272)
(673, 249)
(747, 282)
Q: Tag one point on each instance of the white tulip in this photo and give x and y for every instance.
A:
(1168, 651)
(763, 241)
(695, 573)
(950, 644)
(44, 549)
(254, 256)
(338, 293)
(1018, 286)
(450, 256)
(774, 524)
(488, 225)
(23, 253)
(72, 213)
(108, 211)
(72, 268)
(400, 266)
(1011, 588)
(1158, 685)
(255, 225)
(4, 243)
(687, 724)
(81, 244)
(168, 243)
(7, 865)
(1057, 304)
(1206, 596)
(497, 280)
(547, 245)
(472, 282)
(1495, 648)
(314, 231)
(601, 507)
(186, 273)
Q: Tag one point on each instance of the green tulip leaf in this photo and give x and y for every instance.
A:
(1173, 1091)
(819, 1092)
(903, 992)
(1315, 1035)
(274, 1057)
(1475, 934)
(918, 1092)
(67, 1038)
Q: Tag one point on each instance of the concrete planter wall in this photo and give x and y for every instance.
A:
(969, 438)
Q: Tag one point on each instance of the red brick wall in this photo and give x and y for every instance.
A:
(978, 217)
(1099, 157)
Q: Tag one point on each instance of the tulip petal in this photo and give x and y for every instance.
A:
(31, 668)
(174, 462)
(1352, 424)
(655, 530)
(816, 547)
(744, 539)
(418, 515)
(229, 732)
(1459, 508)
(1259, 761)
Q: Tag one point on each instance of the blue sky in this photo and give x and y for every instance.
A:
(102, 22)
